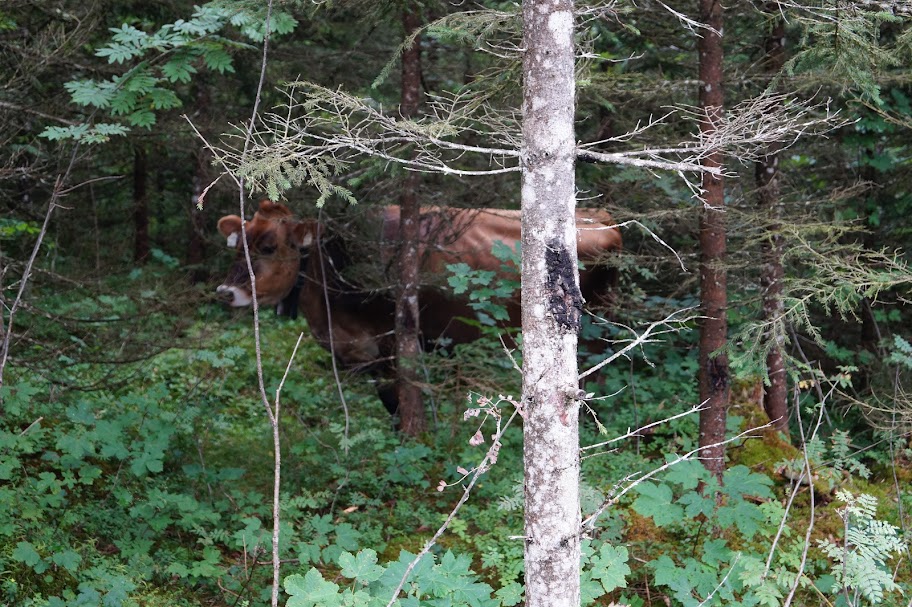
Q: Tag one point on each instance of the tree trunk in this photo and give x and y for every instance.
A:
(714, 373)
(196, 243)
(408, 345)
(775, 399)
(551, 308)
(140, 207)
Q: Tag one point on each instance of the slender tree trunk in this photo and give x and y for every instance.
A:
(196, 243)
(408, 345)
(140, 207)
(551, 307)
(714, 372)
(775, 399)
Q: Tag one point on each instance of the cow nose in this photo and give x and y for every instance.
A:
(225, 293)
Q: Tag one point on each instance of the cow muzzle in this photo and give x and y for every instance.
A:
(233, 296)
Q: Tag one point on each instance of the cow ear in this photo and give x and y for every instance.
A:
(268, 207)
(304, 233)
(230, 227)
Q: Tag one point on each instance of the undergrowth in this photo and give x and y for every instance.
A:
(149, 483)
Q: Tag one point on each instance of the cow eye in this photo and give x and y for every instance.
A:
(268, 249)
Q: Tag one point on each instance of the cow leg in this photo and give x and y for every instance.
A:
(389, 396)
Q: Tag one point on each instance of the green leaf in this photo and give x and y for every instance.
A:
(217, 59)
(715, 552)
(25, 552)
(163, 99)
(124, 102)
(510, 594)
(739, 481)
(744, 515)
(118, 53)
(610, 567)
(179, 69)
(396, 569)
(347, 537)
(128, 34)
(311, 590)
(68, 559)
(178, 569)
(141, 81)
(89, 92)
(670, 575)
(696, 503)
(144, 118)
(687, 474)
(362, 567)
(657, 501)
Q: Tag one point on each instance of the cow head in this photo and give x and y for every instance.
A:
(275, 240)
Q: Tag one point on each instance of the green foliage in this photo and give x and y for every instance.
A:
(860, 565)
(486, 289)
(161, 59)
(603, 570)
(100, 487)
(449, 581)
(689, 503)
(901, 353)
(831, 460)
(847, 44)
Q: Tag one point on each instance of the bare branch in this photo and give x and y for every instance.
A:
(613, 498)
(642, 338)
(489, 459)
(640, 430)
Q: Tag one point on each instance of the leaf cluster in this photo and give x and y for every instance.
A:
(161, 59)
(860, 563)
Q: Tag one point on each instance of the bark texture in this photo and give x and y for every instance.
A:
(775, 398)
(140, 207)
(551, 305)
(714, 372)
(408, 345)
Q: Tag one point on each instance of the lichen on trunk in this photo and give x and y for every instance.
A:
(550, 308)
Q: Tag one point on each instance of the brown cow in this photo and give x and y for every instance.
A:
(298, 264)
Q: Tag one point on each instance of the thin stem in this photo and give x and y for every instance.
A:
(272, 413)
(329, 330)
(489, 458)
(27, 272)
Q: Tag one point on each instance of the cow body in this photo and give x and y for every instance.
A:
(300, 265)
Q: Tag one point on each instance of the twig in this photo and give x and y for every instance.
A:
(721, 583)
(640, 339)
(489, 458)
(31, 110)
(638, 431)
(27, 272)
(651, 233)
(807, 535)
(613, 499)
(329, 329)
(797, 486)
(31, 425)
(273, 414)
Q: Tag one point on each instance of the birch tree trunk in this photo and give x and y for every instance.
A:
(408, 348)
(551, 307)
(775, 398)
(714, 374)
